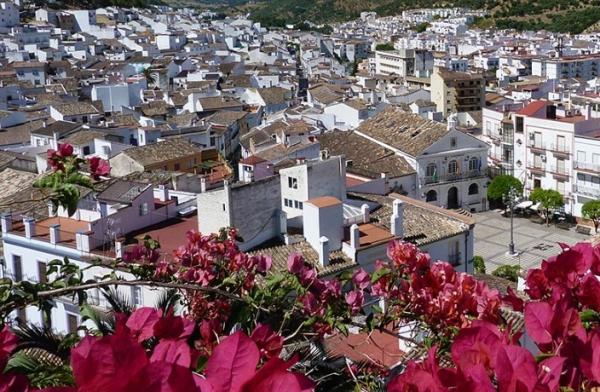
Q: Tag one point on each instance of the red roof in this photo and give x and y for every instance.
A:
(252, 160)
(377, 347)
(532, 108)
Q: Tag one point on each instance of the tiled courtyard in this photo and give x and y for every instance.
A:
(533, 241)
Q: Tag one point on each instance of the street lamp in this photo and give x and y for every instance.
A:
(510, 199)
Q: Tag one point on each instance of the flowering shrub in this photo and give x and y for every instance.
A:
(562, 319)
(66, 175)
(245, 326)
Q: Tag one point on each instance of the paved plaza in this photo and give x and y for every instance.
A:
(533, 241)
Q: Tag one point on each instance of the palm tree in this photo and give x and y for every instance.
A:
(150, 77)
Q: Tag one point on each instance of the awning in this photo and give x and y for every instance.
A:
(535, 207)
(524, 204)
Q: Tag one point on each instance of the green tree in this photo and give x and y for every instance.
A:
(421, 27)
(478, 265)
(385, 46)
(508, 272)
(500, 186)
(591, 211)
(150, 77)
(549, 200)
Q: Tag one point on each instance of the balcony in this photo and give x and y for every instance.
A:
(536, 169)
(451, 177)
(589, 191)
(562, 150)
(558, 172)
(586, 167)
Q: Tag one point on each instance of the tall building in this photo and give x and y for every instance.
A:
(454, 92)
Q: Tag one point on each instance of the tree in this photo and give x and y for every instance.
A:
(421, 27)
(150, 77)
(478, 265)
(591, 210)
(549, 199)
(508, 272)
(385, 46)
(500, 185)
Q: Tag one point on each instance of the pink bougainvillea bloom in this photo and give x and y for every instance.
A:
(268, 342)
(98, 167)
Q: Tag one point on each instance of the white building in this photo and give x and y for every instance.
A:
(404, 62)
(95, 232)
(549, 146)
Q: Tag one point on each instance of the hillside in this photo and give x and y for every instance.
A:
(572, 16)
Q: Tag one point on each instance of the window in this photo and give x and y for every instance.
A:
(473, 164)
(519, 124)
(292, 183)
(453, 142)
(288, 203)
(560, 187)
(580, 156)
(596, 159)
(86, 150)
(143, 209)
(297, 204)
(177, 166)
(136, 295)
(452, 167)
(473, 189)
(17, 268)
(431, 196)
(42, 277)
(72, 323)
(223, 206)
(431, 170)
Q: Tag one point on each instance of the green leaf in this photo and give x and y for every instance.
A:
(379, 274)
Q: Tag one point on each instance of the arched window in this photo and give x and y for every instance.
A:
(473, 164)
(431, 196)
(473, 189)
(431, 170)
(452, 167)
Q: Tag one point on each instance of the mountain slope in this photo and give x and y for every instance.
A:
(572, 16)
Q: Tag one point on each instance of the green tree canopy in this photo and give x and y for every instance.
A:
(549, 200)
(385, 46)
(421, 27)
(591, 210)
(500, 186)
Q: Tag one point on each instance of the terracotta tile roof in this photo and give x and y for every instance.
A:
(423, 223)
(170, 149)
(364, 157)
(324, 201)
(252, 160)
(532, 108)
(338, 261)
(378, 347)
(407, 132)
(76, 108)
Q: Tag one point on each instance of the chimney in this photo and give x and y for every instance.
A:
(29, 224)
(397, 219)
(163, 193)
(54, 233)
(364, 209)
(354, 236)
(587, 114)
(51, 211)
(323, 251)
(83, 241)
(6, 220)
(118, 248)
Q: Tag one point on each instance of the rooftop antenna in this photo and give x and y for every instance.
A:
(560, 46)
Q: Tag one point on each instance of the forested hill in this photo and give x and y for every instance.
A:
(555, 15)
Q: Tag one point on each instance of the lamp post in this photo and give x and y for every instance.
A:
(510, 199)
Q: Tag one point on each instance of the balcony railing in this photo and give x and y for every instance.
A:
(449, 177)
(586, 190)
(559, 148)
(536, 168)
(558, 171)
(584, 166)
